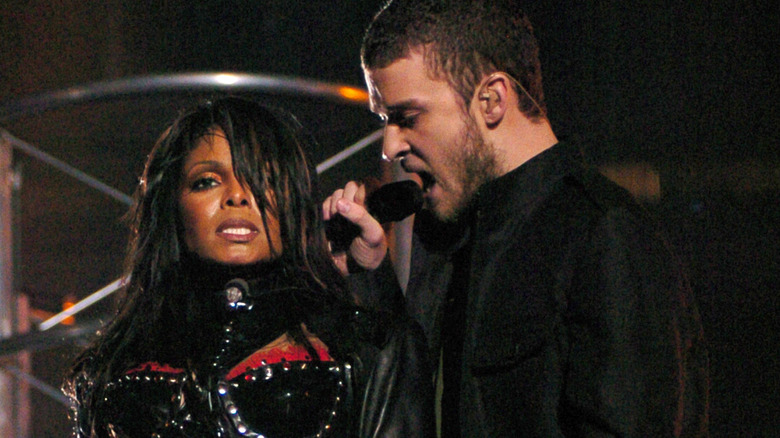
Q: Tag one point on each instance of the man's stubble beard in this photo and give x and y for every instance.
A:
(477, 163)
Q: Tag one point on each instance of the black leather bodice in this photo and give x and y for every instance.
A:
(287, 399)
(281, 397)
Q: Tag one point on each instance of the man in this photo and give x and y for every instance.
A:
(550, 305)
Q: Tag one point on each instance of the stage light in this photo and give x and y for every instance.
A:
(355, 94)
(226, 79)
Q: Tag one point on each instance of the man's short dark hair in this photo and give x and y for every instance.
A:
(462, 41)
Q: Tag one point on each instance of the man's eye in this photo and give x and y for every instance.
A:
(203, 183)
(402, 120)
(408, 121)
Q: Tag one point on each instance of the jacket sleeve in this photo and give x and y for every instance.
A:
(378, 289)
(637, 364)
(399, 393)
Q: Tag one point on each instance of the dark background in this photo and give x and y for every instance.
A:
(686, 92)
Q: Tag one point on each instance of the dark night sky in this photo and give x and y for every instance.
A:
(689, 90)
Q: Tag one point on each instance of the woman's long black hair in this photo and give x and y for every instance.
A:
(156, 315)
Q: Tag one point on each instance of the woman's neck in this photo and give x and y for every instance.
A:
(210, 276)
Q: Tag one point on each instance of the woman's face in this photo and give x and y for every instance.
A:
(222, 221)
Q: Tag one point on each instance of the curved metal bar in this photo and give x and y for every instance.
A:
(183, 82)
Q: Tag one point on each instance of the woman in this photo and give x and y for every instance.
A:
(235, 321)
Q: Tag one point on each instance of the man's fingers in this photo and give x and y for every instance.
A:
(369, 247)
(326, 208)
(350, 189)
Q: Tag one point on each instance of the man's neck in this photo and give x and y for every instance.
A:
(520, 140)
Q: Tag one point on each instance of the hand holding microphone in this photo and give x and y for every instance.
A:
(354, 219)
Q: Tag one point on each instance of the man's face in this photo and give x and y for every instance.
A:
(428, 128)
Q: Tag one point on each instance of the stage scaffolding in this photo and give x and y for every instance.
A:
(17, 337)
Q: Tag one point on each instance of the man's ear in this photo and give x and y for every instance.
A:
(492, 96)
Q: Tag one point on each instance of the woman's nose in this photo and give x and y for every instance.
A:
(237, 194)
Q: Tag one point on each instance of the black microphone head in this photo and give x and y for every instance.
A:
(395, 201)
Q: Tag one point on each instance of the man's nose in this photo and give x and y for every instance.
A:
(394, 147)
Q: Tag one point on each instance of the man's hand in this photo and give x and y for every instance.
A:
(367, 249)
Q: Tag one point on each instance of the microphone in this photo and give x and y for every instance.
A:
(395, 201)
(389, 203)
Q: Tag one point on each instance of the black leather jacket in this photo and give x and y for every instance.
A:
(577, 319)
(377, 385)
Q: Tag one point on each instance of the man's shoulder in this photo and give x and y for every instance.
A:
(584, 201)
(585, 190)
(595, 188)
(564, 184)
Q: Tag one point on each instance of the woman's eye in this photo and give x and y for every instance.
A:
(203, 183)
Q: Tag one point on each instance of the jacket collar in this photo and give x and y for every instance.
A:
(510, 198)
